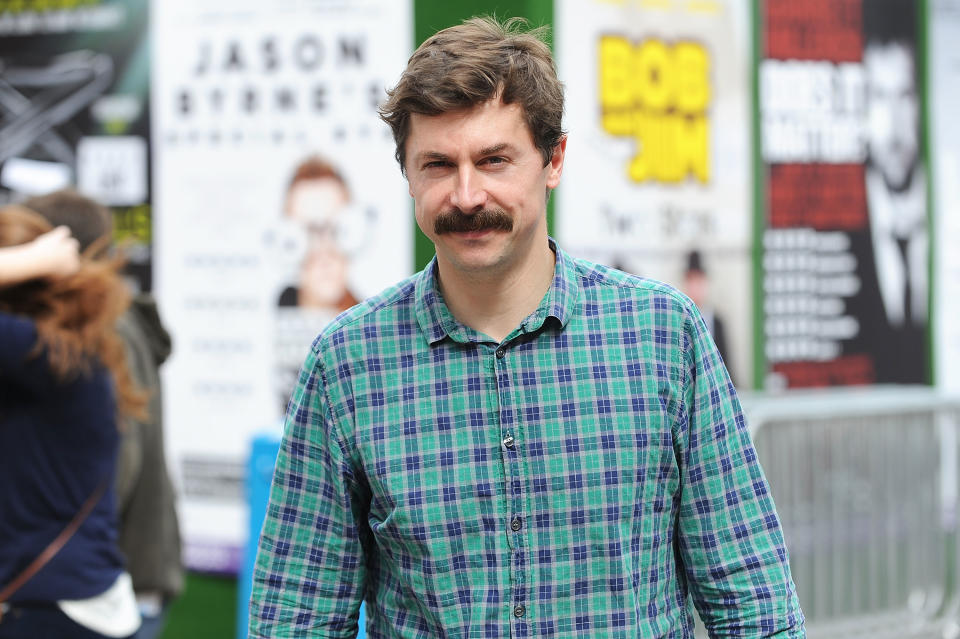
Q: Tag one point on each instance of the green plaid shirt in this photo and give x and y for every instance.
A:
(589, 476)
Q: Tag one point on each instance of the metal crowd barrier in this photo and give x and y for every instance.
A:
(866, 486)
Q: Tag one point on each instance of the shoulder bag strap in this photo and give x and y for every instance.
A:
(54, 546)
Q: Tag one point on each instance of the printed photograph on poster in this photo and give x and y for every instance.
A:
(658, 168)
(321, 231)
(896, 189)
(75, 112)
(846, 250)
(279, 206)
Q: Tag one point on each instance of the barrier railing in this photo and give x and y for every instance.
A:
(865, 482)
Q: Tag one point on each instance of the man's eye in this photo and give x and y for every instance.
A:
(434, 164)
(495, 160)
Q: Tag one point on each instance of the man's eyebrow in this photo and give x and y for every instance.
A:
(431, 156)
(496, 148)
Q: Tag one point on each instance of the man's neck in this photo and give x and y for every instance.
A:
(495, 303)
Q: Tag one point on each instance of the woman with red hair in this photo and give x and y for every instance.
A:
(63, 386)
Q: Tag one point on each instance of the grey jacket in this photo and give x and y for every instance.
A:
(149, 530)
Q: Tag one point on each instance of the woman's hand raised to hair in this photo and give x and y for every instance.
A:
(54, 254)
(57, 252)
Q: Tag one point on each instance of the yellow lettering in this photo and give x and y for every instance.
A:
(691, 67)
(643, 164)
(658, 94)
(653, 75)
(670, 148)
(616, 68)
(692, 144)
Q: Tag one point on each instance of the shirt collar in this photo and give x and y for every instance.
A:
(437, 322)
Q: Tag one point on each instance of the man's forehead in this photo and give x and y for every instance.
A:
(494, 107)
(488, 128)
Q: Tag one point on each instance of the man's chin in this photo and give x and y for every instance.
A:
(474, 257)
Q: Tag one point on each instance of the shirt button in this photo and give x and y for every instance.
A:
(508, 441)
(516, 524)
(519, 611)
(500, 353)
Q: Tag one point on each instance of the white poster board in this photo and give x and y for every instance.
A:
(659, 159)
(278, 204)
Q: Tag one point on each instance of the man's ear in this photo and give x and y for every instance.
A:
(555, 165)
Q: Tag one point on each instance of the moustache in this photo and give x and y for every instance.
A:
(456, 221)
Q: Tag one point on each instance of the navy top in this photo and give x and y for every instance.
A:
(58, 441)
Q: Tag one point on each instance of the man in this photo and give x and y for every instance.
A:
(513, 442)
(149, 530)
(891, 307)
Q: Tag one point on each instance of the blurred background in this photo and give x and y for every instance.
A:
(791, 165)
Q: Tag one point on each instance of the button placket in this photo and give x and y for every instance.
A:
(509, 420)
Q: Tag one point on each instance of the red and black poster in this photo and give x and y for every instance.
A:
(846, 258)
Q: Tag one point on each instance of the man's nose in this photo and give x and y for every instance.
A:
(468, 193)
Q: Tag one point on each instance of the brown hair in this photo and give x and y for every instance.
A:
(472, 63)
(88, 220)
(74, 315)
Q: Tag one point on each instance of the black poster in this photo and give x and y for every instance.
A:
(75, 109)
(846, 245)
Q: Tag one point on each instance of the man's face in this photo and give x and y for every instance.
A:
(317, 205)
(893, 113)
(479, 173)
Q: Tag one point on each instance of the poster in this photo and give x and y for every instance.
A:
(74, 110)
(944, 29)
(279, 204)
(657, 177)
(846, 247)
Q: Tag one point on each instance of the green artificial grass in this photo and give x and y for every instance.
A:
(205, 610)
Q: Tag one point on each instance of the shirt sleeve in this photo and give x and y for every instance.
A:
(729, 535)
(309, 574)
